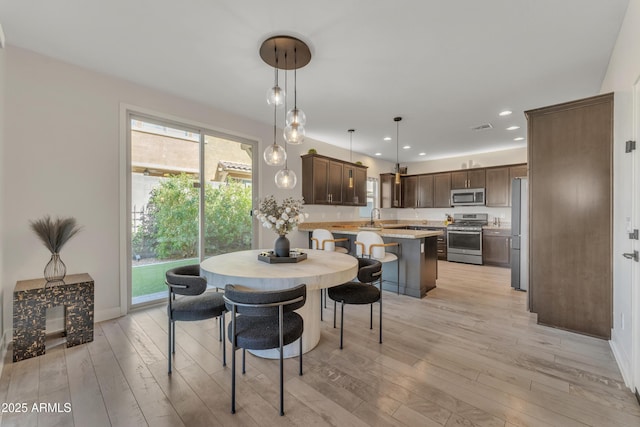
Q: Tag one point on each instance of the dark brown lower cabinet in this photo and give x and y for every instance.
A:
(496, 247)
(570, 150)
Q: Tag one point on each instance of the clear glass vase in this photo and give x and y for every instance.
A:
(55, 270)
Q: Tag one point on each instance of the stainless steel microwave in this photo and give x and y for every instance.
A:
(467, 197)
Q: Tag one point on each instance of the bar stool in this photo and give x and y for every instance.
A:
(323, 240)
(370, 245)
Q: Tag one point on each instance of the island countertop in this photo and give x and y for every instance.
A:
(389, 230)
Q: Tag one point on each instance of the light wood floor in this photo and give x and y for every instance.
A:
(468, 354)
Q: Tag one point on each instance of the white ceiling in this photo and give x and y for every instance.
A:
(445, 66)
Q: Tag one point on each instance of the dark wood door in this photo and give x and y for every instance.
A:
(386, 190)
(442, 190)
(425, 191)
(570, 194)
(518, 171)
(476, 178)
(496, 247)
(360, 175)
(410, 191)
(320, 180)
(458, 180)
(498, 186)
(335, 183)
(348, 193)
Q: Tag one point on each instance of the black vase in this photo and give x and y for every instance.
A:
(281, 246)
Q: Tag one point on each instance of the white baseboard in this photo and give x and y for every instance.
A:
(623, 361)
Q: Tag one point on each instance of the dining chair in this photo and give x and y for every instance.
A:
(370, 245)
(323, 239)
(363, 291)
(194, 303)
(262, 320)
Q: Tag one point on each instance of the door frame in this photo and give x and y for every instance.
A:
(124, 170)
(635, 269)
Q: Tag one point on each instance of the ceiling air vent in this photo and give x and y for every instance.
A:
(485, 126)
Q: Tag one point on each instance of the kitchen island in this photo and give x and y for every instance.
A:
(417, 253)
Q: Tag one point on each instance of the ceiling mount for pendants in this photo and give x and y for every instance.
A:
(285, 52)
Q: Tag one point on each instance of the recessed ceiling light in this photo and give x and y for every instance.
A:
(504, 113)
(422, 154)
(378, 154)
(518, 138)
(387, 138)
(406, 147)
(513, 127)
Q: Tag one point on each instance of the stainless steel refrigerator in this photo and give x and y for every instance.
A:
(520, 234)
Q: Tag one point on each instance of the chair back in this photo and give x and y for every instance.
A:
(186, 280)
(369, 238)
(369, 270)
(250, 302)
(321, 235)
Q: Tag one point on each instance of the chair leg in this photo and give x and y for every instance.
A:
(300, 354)
(334, 314)
(169, 348)
(321, 305)
(244, 356)
(281, 383)
(341, 323)
(370, 316)
(380, 341)
(233, 378)
(398, 277)
(224, 342)
(220, 325)
(173, 336)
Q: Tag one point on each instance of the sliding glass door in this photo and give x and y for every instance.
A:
(191, 197)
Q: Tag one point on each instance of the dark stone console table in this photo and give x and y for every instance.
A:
(30, 303)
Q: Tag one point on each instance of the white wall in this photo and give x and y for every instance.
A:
(622, 74)
(2, 129)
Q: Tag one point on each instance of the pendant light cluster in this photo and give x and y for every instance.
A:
(285, 53)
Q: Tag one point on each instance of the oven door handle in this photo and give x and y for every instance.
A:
(464, 232)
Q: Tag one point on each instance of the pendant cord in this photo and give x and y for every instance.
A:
(285, 109)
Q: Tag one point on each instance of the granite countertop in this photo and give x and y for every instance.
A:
(387, 230)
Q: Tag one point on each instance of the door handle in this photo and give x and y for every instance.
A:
(633, 255)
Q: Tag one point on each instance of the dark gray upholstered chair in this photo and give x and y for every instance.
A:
(262, 320)
(361, 292)
(196, 304)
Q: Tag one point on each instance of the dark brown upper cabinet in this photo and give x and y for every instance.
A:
(472, 178)
(498, 189)
(324, 183)
(417, 191)
(390, 193)
(442, 190)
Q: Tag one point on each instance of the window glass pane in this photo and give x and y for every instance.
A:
(164, 203)
(228, 198)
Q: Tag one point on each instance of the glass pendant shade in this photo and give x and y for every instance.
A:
(397, 177)
(286, 179)
(275, 155)
(275, 96)
(294, 134)
(296, 115)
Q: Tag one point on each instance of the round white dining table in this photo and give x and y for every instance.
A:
(321, 269)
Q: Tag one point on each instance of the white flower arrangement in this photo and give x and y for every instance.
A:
(281, 218)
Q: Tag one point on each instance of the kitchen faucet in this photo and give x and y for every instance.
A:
(374, 210)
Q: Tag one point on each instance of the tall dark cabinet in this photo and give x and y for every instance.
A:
(570, 232)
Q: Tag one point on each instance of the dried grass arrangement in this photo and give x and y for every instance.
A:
(54, 233)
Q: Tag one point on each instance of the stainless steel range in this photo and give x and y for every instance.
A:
(464, 238)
